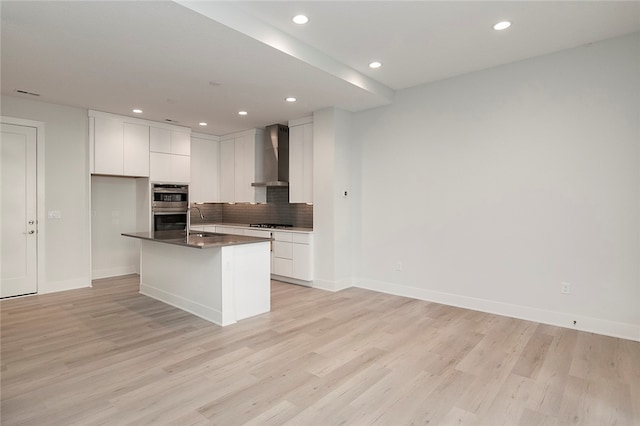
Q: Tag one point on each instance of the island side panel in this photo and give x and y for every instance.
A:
(246, 282)
(184, 277)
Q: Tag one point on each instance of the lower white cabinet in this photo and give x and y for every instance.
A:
(291, 252)
(293, 255)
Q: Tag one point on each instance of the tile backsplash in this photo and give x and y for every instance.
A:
(277, 210)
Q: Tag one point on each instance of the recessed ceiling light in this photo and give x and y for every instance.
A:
(242, 112)
(300, 19)
(375, 64)
(290, 99)
(202, 123)
(137, 111)
(503, 25)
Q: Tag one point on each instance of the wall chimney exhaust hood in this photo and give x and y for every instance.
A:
(275, 156)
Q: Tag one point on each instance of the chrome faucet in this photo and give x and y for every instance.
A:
(189, 219)
(199, 211)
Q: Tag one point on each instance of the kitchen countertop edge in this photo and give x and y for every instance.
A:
(226, 240)
(246, 226)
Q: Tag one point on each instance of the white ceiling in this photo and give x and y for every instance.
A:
(193, 61)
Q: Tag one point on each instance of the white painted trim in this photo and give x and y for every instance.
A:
(117, 271)
(55, 286)
(209, 314)
(205, 136)
(40, 193)
(561, 319)
(301, 121)
(142, 121)
(291, 280)
(332, 285)
(249, 132)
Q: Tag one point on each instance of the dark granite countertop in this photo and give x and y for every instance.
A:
(199, 240)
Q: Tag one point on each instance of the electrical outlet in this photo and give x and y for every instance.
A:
(54, 214)
(565, 288)
(398, 266)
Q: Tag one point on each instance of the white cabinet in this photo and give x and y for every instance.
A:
(227, 170)
(169, 168)
(118, 147)
(293, 255)
(240, 166)
(205, 169)
(136, 149)
(301, 160)
(170, 141)
(170, 159)
(302, 256)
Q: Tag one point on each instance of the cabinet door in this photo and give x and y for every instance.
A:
(160, 140)
(302, 262)
(241, 160)
(205, 171)
(180, 143)
(136, 150)
(308, 163)
(301, 163)
(180, 168)
(160, 167)
(227, 171)
(108, 146)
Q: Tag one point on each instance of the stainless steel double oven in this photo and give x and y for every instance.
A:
(169, 204)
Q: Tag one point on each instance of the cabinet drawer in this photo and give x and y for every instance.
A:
(301, 238)
(282, 249)
(282, 267)
(282, 236)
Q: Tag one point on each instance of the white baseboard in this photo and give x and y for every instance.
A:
(117, 271)
(54, 286)
(291, 280)
(561, 319)
(332, 285)
(204, 312)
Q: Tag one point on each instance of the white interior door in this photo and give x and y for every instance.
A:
(18, 230)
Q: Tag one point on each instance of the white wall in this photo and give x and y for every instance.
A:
(66, 190)
(494, 187)
(113, 210)
(333, 241)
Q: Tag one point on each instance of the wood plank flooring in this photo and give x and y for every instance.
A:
(108, 355)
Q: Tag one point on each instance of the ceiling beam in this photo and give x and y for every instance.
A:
(229, 15)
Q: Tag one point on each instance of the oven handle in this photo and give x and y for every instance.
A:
(160, 213)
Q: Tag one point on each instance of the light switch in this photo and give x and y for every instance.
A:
(54, 214)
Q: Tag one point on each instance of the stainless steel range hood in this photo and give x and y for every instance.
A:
(275, 156)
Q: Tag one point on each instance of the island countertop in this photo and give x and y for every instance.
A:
(199, 240)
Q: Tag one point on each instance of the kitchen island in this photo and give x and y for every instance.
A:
(219, 277)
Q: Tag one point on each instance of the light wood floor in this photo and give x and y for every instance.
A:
(108, 355)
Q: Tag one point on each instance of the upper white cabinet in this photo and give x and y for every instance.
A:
(240, 166)
(170, 158)
(136, 149)
(127, 146)
(170, 141)
(119, 146)
(227, 170)
(301, 160)
(205, 169)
